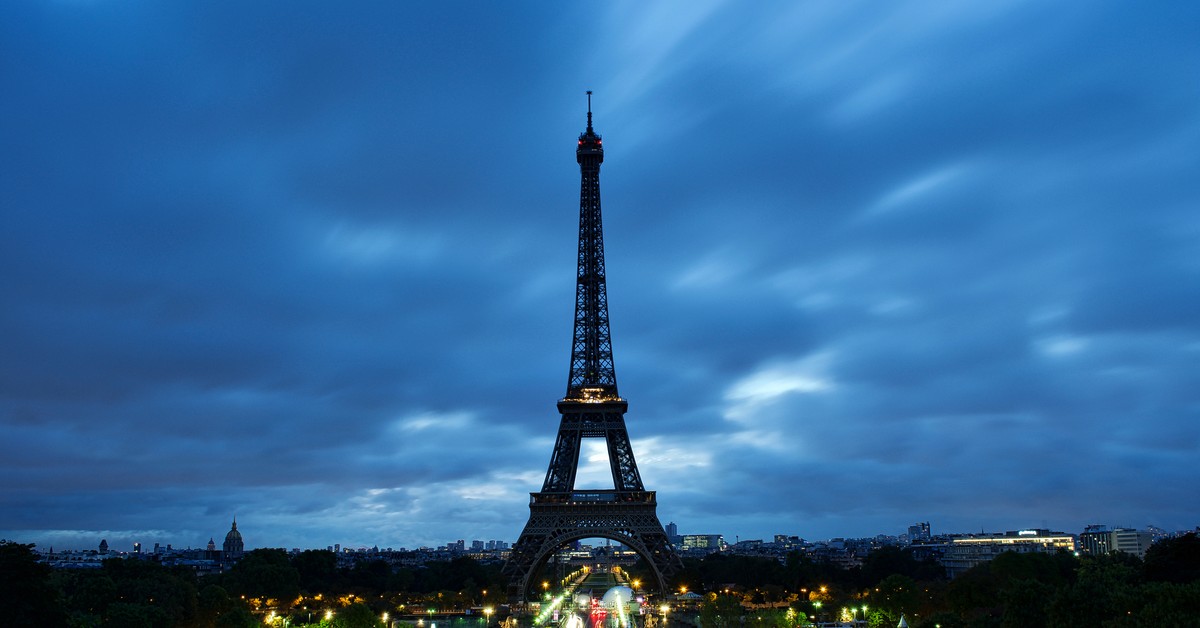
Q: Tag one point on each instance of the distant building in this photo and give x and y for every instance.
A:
(673, 537)
(965, 552)
(919, 532)
(702, 543)
(1098, 540)
(212, 547)
(103, 546)
(786, 542)
(233, 548)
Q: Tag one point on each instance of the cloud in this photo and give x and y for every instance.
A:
(314, 267)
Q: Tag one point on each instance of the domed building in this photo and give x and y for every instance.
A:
(234, 548)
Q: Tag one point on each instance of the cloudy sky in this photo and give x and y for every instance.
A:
(869, 264)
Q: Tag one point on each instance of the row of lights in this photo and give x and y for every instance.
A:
(273, 618)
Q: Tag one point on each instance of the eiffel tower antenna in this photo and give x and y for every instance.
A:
(559, 513)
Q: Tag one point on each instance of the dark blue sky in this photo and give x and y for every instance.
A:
(869, 264)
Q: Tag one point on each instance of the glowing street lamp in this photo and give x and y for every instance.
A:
(487, 613)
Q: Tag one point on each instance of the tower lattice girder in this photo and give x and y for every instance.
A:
(560, 514)
(553, 524)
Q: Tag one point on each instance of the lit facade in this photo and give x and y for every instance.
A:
(1099, 541)
(702, 543)
(963, 553)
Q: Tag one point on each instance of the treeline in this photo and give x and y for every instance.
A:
(1025, 590)
(273, 574)
(1014, 590)
(135, 593)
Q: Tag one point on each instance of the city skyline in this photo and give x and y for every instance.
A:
(925, 532)
(313, 266)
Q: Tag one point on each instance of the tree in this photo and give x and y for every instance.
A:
(213, 602)
(86, 594)
(26, 595)
(1106, 587)
(265, 573)
(896, 595)
(1174, 560)
(721, 610)
(238, 617)
(149, 585)
(357, 615)
(317, 570)
(1025, 603)
(136, 616)
(370, 576)
(891, 560)
(1164, 604)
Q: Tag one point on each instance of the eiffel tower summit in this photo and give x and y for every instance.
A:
(559, 513)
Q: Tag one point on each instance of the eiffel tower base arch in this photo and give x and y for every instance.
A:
(555, 519)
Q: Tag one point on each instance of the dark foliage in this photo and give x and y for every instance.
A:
(318, 570)
(1174, 560)
(27, 596)
(1026, 590)
(265, 574)
(356, 616)
(888, 561)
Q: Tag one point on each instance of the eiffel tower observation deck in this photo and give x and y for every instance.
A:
(592, 408)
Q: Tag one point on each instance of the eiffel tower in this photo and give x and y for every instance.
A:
(560, 514)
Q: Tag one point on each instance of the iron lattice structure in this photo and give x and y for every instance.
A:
(560, 514)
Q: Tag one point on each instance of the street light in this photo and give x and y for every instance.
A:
(487, 613)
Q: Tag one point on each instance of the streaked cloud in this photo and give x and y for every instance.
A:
(868, 265)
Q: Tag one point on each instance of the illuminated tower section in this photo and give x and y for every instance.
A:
(559, 513)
